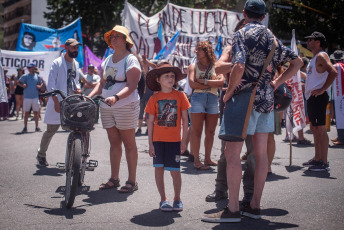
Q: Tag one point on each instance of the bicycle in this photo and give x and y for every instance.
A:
(78, 115)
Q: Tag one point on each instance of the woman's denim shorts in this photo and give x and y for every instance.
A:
(204, 103)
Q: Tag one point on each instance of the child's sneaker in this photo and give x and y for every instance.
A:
(165, 206)
(177, 206)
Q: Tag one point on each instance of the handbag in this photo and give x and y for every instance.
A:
(238, 109)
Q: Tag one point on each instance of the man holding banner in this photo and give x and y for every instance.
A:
(64, 75)
(320, 75)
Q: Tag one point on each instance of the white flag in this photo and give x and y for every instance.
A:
(297, 104)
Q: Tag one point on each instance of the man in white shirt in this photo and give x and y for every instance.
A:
(63, 75)
(91, 80)
(320, 75)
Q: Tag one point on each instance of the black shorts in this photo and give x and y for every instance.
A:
(167, 155)
(316, 107)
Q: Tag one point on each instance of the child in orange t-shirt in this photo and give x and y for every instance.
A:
(166, 110)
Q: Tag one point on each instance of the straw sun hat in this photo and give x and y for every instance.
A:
(119, 29)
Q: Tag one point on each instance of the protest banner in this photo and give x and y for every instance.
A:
(194, 24)
(39, 38)
(338, 95)
(12, 60)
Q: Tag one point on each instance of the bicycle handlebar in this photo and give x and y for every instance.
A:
(102, 99)
(53, 93)
(63, 95)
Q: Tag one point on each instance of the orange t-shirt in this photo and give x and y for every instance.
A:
(167, 109)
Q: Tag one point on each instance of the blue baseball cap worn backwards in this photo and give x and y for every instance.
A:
(255, 6)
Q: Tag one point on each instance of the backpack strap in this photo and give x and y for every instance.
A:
(125, 66)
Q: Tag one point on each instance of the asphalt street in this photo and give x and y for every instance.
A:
(32, 197)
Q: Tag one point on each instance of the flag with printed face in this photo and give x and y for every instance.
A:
(168, 48)
(40, 39)
(297, 104)
(218, 49)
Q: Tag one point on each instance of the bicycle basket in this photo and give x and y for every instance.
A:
(77, 114)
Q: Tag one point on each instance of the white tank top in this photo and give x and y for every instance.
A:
(314, 79)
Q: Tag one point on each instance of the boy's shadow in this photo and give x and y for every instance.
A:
(155, 218)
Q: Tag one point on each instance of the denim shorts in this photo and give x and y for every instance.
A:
(260, 123)
(204, 103)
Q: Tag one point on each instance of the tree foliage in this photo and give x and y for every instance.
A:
(305, 18)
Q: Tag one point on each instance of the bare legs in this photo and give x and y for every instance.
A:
(160, 184)
(232, 152)
(321, 142)
(210, 121)
(116, 137)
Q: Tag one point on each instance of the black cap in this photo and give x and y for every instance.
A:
(90, 66)
(317, 36)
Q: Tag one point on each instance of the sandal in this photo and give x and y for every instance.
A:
(106, 185)
(201, 167)
(304, 142)
(127, 189)
(210, 164)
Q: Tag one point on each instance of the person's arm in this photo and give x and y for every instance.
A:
(294, 66)
(213, 83)
(324, 64)
(185, 123)
(150, 125)
(98, 89)
(236, 75)
(223, 66)
(192, 79)
(21, 81)
(147, 62)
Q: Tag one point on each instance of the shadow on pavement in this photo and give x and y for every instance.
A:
(275, 177)
(21, 133)
(303, 146)
(325, 175)
(188, 168)
(62, 211)
(81, 190)
(336, 146)
(293, 168)
(46, 171)
(105, 196)
(155, 218)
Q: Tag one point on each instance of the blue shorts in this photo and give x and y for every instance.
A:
(260, 123)
(167, 155)
(204, 103)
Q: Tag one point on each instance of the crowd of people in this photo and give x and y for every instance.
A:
(256, 63)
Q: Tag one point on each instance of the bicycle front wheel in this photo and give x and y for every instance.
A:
(73, 172)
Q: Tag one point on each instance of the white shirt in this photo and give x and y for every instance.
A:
(116, 71)
(58, 80)
(314, 79)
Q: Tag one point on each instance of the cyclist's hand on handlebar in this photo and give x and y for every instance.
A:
(111, 100)
(77, 91)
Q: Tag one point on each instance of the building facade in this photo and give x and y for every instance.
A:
(17, 11)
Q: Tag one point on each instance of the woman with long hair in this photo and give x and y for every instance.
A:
(204, 102)
(19, 93)
(118, 85)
